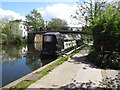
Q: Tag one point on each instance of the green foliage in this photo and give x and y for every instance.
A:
(22, 85)
(104, 60)
(57, 24)
(15, 29)
(10, 31)
(1, 26)
(34, 20)
(3, 36)
(92, 55)
(110, 61)
(106, 29)
(91, 51)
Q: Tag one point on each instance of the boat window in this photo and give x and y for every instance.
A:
(47, 38)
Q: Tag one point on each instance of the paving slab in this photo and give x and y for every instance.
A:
(33, 77)
(87, 77)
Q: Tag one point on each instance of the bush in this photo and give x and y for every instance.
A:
(104, 60)
(92, 54)
(106, 29)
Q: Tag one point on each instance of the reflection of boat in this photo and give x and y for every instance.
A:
(47, 56)
(38, 38)
(34, 63)
(38, 46)
(38, 42)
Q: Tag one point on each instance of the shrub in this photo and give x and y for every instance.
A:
(106, 29)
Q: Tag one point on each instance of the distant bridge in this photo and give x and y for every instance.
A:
(32, 33)
(62, 32)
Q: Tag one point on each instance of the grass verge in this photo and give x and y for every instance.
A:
(24, 84)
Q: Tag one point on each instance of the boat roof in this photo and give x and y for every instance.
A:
(51, 33)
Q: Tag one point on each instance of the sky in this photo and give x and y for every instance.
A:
(18, 9)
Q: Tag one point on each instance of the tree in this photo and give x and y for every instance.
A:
(1, 27)
(106, 33)
(106, 29)
(34, 20)
(57, 24)
(15, 28)
(88, 9)
(10, 30)
(6, 27)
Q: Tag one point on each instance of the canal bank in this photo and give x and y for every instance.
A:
(76, 73)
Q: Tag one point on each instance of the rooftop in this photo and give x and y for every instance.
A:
(52, 33)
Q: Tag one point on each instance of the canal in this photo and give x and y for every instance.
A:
(19, 60)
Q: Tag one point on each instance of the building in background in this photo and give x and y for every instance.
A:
(18, 27)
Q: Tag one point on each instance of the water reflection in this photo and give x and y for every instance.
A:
(19, 60)
(38, 46)
(11, 52)
(34, 63)
(33, 59)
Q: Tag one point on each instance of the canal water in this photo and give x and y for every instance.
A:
(19, 60)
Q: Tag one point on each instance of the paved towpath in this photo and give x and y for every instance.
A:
(77, 73)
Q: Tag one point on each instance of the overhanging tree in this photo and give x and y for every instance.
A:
(88, 10)
(106, 29)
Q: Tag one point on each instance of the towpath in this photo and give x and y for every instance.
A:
(78, 73)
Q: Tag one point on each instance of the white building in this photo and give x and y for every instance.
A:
(23, 28)
(19, 25)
